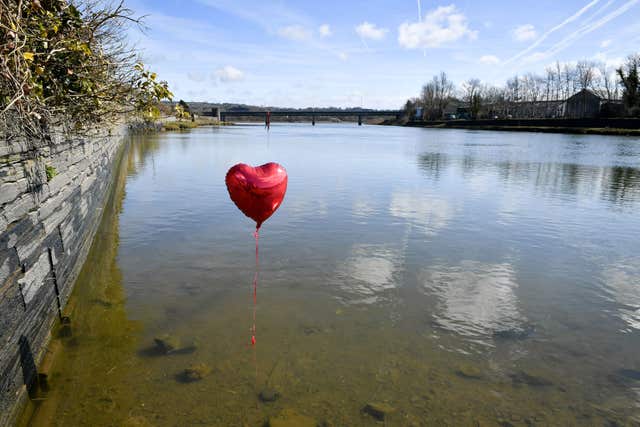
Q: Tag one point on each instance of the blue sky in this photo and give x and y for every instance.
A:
(371, 52)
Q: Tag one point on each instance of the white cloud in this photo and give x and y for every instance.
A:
(367, 30)
(229, 74)
(294, 32)
(325, 30)
(489, 60)
(606, 43)
(440, 26)
(610, 62)
(343, 56)
(525, 33)
(196, 76)
(535, 57)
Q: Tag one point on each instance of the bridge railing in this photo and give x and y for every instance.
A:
(313, 114)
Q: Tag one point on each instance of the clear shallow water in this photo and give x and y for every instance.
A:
(459, 277)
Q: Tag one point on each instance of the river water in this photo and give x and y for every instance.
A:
(444, 277)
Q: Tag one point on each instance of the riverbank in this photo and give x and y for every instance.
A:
(175, 125)
(618, 127)
(543, 129)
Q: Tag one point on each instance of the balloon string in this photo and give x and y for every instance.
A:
(255, 289)
(255, 298)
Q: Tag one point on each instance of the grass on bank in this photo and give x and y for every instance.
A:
(188, 124)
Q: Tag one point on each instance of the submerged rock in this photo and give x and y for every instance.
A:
(522, 377)
(102, 302)
(290, 418)
(269, 395)
(515, 334)
(167, 343)
(624, 376)
(196, 372)
(311, 329)
(631, 374)
(469, 372)
(65, 330)
(137, 421)
(379, 411)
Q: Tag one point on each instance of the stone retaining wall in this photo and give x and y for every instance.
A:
(47, 224)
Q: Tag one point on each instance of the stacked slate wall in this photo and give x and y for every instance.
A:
(47, 223)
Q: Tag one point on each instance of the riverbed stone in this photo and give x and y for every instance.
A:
(378, 410)
(268, 395)
(530, 379)
(290, 418)
(167, 343)
(136, 421)
(311, 329)
(468, 371)
(631, 374)
(516, 333)
(196, 372)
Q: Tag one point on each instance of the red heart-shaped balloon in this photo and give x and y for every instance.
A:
(257, 191)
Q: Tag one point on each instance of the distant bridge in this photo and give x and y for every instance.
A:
(224, 115)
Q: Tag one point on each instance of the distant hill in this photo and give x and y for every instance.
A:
(200, 107)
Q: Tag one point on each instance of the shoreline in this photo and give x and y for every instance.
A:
(545, 126)
(178, 125)
(584, 126)
(537, 129)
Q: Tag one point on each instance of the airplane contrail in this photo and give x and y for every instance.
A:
(424, 51)
(552, 30)
(586, 29)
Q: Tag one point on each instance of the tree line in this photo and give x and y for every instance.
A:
(533, 95)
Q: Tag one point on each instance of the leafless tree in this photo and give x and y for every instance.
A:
(549, 83)
(568, 80)
(586, 75)
(472, 95)
(444, 91)
(495, 101)
(608, 84)
(428, 99)
(436, 96)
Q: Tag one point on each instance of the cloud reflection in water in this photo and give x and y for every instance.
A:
(622, 281)
(428, 212)
(474, 299)
(369, 269)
